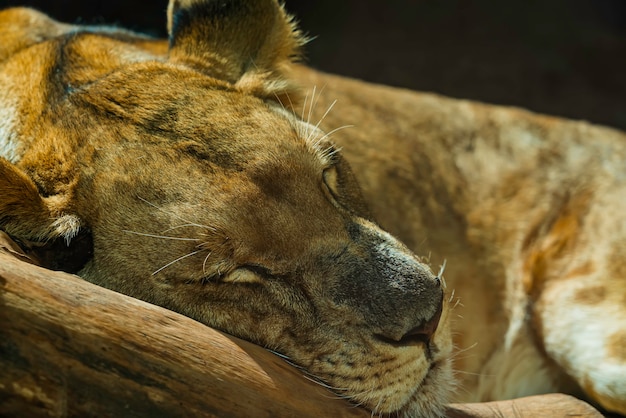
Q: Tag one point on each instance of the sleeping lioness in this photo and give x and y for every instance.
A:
(529, 212)
(197, 175)
(175, 174)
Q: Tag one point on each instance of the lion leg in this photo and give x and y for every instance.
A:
(582, 324)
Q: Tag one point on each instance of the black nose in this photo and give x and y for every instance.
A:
(424, 331)
(421, 333)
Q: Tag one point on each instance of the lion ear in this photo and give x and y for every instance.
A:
(41, 226)
(26, 215)
(248, 43)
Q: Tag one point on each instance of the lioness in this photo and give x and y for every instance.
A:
(529, 212)
(175, 174)
(179, 174)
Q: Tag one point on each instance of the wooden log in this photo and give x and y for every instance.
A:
(70, 348)
(553, 405)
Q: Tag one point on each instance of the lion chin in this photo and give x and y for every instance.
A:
(176, 172)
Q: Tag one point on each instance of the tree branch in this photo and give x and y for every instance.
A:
(71, 348)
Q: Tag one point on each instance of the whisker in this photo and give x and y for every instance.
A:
(330, 152)
(160, 236)
(191, 225)
(463, 350)
(337, 392)
(308, 120)
(206, 259)
(323, 117)
(176, 261)
(467, 373)
(463, 388)
(315, 105)
(308, 375)
(442, 268)
(333, 131)
(276, 353)
(322, 384)
(291, 106)
(306, 99)
(279, 102)
(188, 223)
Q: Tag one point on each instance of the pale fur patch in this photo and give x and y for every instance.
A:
(9, 145)
(66, 227)
(579, 339)
(515, 371)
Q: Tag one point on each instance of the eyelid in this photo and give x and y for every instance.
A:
(258, 269)
(330, 178)
(331, 154)
(246, 274)
(241, 276)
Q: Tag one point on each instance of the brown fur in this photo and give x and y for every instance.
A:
(192, 187)
(157, 154)
(527, 210)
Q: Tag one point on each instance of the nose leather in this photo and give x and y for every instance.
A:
(426, 329)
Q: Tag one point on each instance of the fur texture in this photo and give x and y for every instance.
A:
(527, 210)
(172, 172)
(200, 182)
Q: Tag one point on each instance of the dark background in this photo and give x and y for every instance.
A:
(564, 57)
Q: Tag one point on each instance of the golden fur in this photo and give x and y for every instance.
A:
(173, 173)
(527, 210)
(180, 176)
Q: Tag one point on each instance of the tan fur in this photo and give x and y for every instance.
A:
(177, 176)
(203, 194)
(528, 211)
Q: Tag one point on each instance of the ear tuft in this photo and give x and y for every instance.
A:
(247, 43)
(65, 227)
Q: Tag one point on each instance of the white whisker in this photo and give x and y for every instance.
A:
(190, 225)
(463, 350)
(279, 102)
(322, 384)
(291, 106)
(322, 119)
(306, 99)
(175, 261)
(467, 373)
(160, 236)
(187, 223)
(308, 119)
(333, 131)
(330, 152)
(206, 259)
(442, 268)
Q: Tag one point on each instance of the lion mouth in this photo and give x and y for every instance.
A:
(430, 396)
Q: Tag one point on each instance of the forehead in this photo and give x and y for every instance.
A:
(198, 115)
(147, 102)
(121, 87)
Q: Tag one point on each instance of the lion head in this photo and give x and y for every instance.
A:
(178, 174)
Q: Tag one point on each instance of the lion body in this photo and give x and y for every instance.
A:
(194, 188)
(528, 212)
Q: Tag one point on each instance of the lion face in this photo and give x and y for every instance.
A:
(195, 189)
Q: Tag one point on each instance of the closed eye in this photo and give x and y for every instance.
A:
(331, 181)
(249, 273)
(241, 275)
